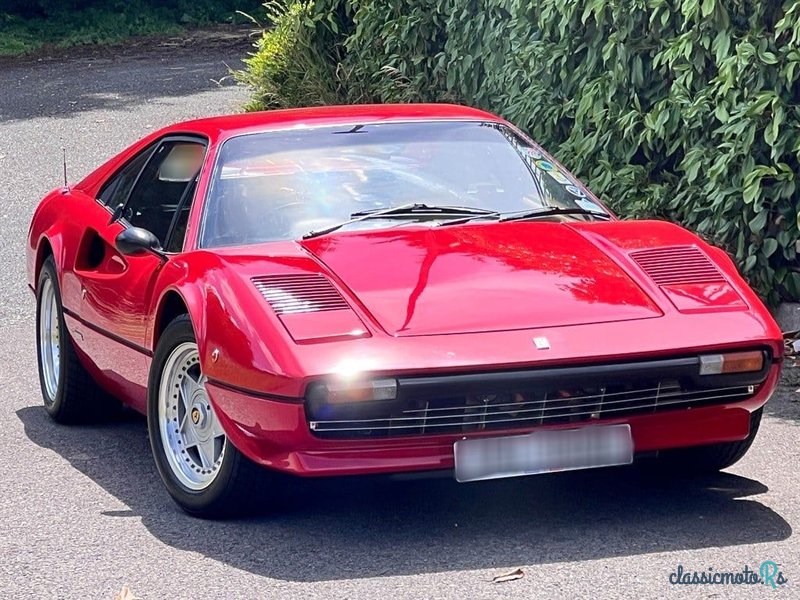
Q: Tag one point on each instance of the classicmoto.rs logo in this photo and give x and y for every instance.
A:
(767, 574)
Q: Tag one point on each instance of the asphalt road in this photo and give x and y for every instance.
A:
(82, 511)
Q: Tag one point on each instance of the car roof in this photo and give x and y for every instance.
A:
(231, 125)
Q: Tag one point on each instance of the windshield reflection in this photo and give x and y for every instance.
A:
(281, 185)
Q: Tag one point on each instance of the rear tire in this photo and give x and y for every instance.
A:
(70, 394)
(202, 471)
(711, 458)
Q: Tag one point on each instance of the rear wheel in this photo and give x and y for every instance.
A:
(711, 458)
(202, 471)
(70, 394)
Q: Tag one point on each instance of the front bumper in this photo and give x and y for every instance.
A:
(275, 433)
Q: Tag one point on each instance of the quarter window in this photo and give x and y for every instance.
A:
(115, 191)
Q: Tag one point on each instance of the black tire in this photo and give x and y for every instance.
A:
(236, 488)
(77, 398)
(711, 458)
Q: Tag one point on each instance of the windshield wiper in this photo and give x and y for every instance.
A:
(425, 209)
(527, 214)
(550, 211)
(486, 215)
(404, 210)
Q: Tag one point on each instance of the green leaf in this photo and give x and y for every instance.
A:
(751, 191)
(721, 45)
(769, 247)
(757, 223)
(721, 113)
(768, 58)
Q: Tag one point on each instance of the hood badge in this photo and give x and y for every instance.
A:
(541, 343)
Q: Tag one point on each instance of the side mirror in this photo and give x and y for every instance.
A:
(135, 240)
(117, 214)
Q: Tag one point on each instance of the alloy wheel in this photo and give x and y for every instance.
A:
(49, 339)
(192, 437)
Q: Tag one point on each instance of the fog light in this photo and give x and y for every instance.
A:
(338, 392)
(732, 362)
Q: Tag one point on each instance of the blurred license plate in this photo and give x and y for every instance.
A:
(543, 452)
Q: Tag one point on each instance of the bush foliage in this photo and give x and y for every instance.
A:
(294, 64)
(679, 109)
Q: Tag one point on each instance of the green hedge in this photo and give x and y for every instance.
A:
(681, 109)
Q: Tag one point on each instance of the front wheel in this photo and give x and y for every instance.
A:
(201, 469)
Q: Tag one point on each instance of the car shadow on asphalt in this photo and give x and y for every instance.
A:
(370, 527)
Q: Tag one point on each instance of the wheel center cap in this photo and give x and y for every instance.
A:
(199, 416)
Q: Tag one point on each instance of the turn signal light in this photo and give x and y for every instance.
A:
(338, 392)
(732, 362)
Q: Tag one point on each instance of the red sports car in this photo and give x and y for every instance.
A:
(382, 289)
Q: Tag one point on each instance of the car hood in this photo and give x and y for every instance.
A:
(481, 277)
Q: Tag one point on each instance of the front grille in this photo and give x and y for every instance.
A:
(518, 409)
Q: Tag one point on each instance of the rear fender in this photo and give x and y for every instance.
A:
(46, 231)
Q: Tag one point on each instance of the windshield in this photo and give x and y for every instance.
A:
(283, 185)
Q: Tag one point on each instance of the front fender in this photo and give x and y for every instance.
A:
(240, 341)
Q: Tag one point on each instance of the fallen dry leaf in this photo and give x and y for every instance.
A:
(125, 594)
(518, 574)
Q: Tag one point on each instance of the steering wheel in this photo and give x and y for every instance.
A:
(277, 219)
(281, 207)
(273, 225)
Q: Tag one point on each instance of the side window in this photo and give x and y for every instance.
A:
(164, 190)
(115, 191)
